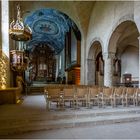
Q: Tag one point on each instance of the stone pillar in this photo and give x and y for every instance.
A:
(57, 66)
(91, 71)
(108, 69)
(4, 58)
(5, 26)
(139, 60)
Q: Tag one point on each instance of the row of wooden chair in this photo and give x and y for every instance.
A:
(91, 95)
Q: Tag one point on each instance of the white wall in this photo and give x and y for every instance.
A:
(130, 61)
(105, 17)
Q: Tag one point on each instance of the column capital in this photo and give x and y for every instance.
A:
(108, 55)
(105, 56)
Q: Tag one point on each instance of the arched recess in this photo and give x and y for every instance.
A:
(124, 44)
(54, 32)
(95, 64)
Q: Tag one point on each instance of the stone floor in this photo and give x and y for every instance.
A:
(112, 131)
(35, 107)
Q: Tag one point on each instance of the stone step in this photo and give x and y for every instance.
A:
(56, 121)
(69, 113)
(45, 125)
(35, 89)
(72, 112)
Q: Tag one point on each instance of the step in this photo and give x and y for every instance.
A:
(34, 89)
(70, 113)
(64, 119)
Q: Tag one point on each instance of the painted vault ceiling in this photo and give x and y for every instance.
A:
(49, 27)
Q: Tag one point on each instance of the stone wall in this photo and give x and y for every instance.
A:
(105, 17)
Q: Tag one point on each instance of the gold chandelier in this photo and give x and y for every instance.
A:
(18, 31)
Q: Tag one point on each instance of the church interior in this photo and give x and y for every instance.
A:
(69, 64)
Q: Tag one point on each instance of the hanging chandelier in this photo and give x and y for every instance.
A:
(18, 31)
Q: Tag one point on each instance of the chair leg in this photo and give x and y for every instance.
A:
(86, 103)
(48, 105)
(115, 105)
(136, 101)
(89, 104)
(98, 101)
(126, 101)
(122, 101)
(103, 102)
(112, 102)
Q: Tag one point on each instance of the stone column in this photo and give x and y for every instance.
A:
(108, 69)
(91, 71)
(5, 26)
(57, 67)
(4, 58)
(139, 60)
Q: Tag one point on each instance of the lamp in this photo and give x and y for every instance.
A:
(19, 32)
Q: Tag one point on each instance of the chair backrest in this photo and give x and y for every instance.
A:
(108, 91)
(137, 92)
(81, 91)
(94, 91)
(118, 91)
(53, 92)
(69, 91)
(130, 91)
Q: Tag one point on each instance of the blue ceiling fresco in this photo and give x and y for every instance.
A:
(49, 26)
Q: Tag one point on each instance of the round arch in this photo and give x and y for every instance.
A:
(114, 35)
(93, 52)
(124, 33)
(96, 40)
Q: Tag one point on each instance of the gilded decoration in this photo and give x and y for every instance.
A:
(3, 70)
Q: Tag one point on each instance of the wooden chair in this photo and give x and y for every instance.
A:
(137, 96)
(52, 95)
(93, 96)
(118, 96)
(129, 96)
(107, 96)
(69, 95)
(81, 95)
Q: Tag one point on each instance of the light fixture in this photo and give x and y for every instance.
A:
(18, 31)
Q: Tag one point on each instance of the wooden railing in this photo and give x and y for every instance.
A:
(10, 95)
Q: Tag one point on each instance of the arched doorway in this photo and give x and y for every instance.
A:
(56, 33)
(124, 44)
(42, 65)
(95, 65)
